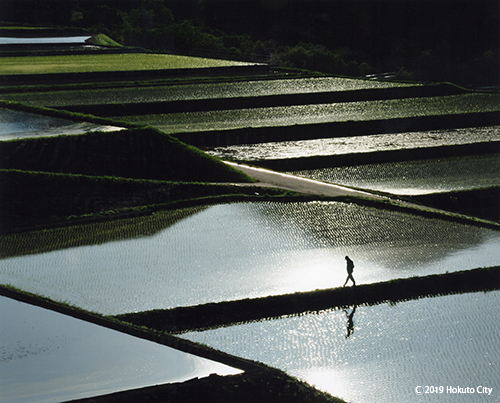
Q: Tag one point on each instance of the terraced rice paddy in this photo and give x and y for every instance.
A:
(16, 125)
(59, 358)
(321, 113)
(450, 341)
(197, 91)
(105, 62)
(416, 177)
(361, 144)
(247, 250)
(243, 250)
(46, 40)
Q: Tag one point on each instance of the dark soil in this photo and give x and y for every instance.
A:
(250, 387)
(483, 203)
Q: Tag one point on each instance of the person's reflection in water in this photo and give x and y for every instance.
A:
(350, 320)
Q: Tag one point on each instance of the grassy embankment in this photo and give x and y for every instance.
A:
(211, 315)
(258, 383)
(32, 200)
(253, 135)
(482, 203)
(50, 179)
(266, 101)
(104, 62)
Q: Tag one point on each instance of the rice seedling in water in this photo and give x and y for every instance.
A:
(104, 62)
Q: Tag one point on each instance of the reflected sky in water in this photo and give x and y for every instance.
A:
(19, 125)
(442, 341)
(247, 250)
(47, 40)
(46, 356)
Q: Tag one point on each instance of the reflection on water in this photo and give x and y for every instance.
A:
(93, 233)
(18, 125)
(416, 177)
(45, 40)
(198, 91)
(357, 144)
(321, 113)
(245, 250)
(46, 356)
(350, 320)
(391, 349)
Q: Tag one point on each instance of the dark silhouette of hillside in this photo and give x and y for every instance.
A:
(452, 40)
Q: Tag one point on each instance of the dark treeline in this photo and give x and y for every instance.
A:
(434, 40)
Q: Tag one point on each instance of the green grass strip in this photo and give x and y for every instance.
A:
(105, 62)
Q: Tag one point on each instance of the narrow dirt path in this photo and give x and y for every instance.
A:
(268, 178)
(296, 183)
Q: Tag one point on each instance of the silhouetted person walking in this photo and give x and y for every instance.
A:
(350, 269)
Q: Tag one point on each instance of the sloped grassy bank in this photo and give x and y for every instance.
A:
(254, 135)
(182, 319)
(144, 153)
(196, 105)
(483, 203)
(270, 385)
(129, 75)
(258, 383)
(30, 199)
(61, 114)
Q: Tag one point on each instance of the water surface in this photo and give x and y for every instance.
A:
(358, 144)
(320, 113)
(245, 250)
(416, 177)
(19, 125)
(385, 352)
(43, 41)
(47, 356)
(198, 91)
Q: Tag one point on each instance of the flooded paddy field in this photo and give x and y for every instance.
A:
(242, 250)
(47, 356)
(17, 125)
(320, 113)
(381, 353)
(416, 177)
(198, 91)
(10, 40)
(356, 144)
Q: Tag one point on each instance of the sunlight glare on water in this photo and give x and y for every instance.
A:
(248, 250)
(385, 353)
(47, 356)
(416, 177)
(357, 144)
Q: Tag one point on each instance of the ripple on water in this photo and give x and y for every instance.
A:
(244, 250)
(441, 341)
